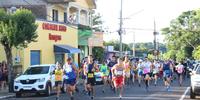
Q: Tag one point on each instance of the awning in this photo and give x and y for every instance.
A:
(66, 49)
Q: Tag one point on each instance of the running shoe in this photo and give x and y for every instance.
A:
(92, 97)
(120, 97)
(57, 98)
(89, 93)
(77, 90)
(72, 97)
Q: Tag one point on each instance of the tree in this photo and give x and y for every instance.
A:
(116, 44)
(196, 53)
(98, 53)
(97, 22)
(183, 34)
(16, 30)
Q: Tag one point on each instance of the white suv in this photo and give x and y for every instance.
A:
(36, 79)
(195, 82)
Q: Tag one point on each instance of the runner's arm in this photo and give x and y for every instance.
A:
(77, 72)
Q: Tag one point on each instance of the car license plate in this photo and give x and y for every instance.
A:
(27, 87)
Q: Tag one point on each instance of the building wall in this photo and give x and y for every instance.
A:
(21, 2)
(46, 46)
(70, 37)
(81, 3)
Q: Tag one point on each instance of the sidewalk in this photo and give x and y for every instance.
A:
(5, 94)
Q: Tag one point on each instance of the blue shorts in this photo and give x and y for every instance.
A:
(167, 74)
(140, 73)
(71, 82)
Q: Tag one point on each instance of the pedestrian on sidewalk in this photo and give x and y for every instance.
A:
(1, 75)
(4, 76)
(58, 79)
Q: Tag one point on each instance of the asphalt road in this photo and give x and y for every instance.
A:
(131, 92)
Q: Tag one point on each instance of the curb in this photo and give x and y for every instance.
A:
(8, 96)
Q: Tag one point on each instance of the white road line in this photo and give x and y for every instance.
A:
(183, 96)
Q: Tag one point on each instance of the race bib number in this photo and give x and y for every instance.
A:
(90, 75)
(119, 72)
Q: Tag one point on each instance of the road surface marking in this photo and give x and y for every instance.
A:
(183, 96)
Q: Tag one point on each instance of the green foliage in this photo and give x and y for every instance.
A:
(147, 48)
(196, 53)
(98, 53)
(97, 22)
(18, 29)
(116, 44)
(183, 34)
(150, 56)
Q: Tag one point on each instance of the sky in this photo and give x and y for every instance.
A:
(139, 15)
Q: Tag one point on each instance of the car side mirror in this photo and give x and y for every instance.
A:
(192, 73)
(18, 75)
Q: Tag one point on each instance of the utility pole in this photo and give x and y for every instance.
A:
(120, 29)
(133, 44)
(154, 42)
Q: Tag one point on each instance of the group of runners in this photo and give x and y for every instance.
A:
(116, 73)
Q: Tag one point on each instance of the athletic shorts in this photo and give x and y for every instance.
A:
(58, 83)
(147, 74)
(166, 74)
(118, 81)
(71, 82)
(140, 73)
(91, 81)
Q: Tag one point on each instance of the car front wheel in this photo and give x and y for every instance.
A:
(192, 94)
(18, 95)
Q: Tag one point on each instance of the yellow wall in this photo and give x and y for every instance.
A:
(60, 12)
(46, 46)
(82, 3)
(15, 53)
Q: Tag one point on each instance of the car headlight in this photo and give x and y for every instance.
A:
(17, 81)
(41, 79)
(196, 83)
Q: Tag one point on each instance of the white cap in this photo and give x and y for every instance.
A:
(140, 60)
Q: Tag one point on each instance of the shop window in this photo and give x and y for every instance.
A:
(65, 17)
(35, 57)
(55, 15)
(59, 58)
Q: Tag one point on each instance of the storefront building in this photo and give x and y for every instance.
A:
(57, 30)
(54, 43)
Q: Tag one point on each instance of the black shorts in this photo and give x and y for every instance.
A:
(58, 83)
(147, 74)
(91, 81)
(71, 82)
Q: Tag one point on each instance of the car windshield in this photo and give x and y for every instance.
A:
(37, 70)
(198, 69)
